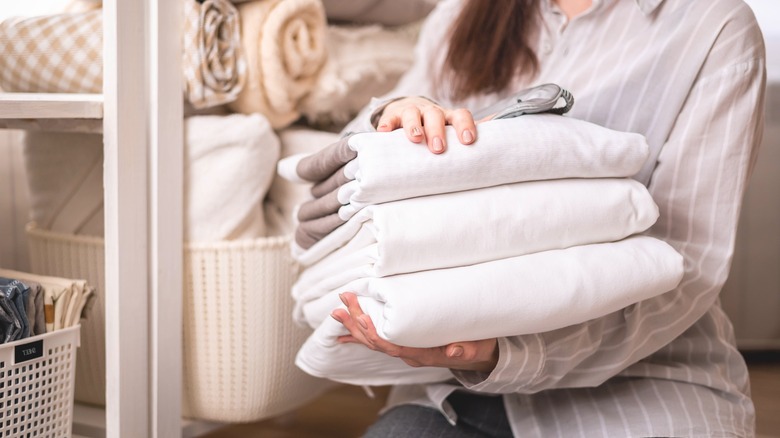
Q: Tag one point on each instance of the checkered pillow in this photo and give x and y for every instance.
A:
(52, 54)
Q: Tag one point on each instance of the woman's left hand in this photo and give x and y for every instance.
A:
(468, 356)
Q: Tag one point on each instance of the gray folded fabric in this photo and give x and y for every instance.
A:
(319, 207)
(333, 182)
(9, 318)
(321, 165)
(35, 309)
(310, 232)
(17, 292)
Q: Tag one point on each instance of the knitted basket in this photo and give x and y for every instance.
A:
(239, 338)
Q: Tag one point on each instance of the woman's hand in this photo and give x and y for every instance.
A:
(468, 356)
(424, 120)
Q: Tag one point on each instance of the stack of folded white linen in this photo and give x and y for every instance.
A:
(534, 227)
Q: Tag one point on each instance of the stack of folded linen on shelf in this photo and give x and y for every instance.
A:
(35, 304)
(534, 227)
(63, 53)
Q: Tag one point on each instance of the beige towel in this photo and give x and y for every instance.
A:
(284, 42)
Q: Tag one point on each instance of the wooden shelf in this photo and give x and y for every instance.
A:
(60, 106)
(52, 112)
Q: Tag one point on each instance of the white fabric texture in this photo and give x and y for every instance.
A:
(389, 167)
(532, 293)
(284, 43)
(229, 167)
(447, 230)
(229, 164)
(363, 62)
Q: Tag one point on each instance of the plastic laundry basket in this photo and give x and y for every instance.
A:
(36, 385)
(239, 338)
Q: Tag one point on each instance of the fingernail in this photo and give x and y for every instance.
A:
(468, 137)
(416, 132)
(438, 146)
(336, 317)
(457, 351)
(362, 323)
(343, 299)
(383, 126)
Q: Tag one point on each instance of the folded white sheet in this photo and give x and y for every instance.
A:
(531, 293)
(389, 167)
(322, 356)
(474, 226)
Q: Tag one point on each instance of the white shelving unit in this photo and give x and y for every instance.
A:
(140, 115)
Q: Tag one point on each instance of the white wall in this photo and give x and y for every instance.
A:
(14, 204)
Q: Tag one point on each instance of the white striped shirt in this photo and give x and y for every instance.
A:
(690, 76)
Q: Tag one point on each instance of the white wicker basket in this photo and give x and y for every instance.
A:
(36, 385)
(239, 338)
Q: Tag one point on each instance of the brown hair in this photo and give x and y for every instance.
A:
(489, 45)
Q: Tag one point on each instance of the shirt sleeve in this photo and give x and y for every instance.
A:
(698, 184)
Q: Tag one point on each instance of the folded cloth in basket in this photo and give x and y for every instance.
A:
(63, 53)
(531, 293)
(382, 167)
(64, 299)
(448, 230)
(284, 42)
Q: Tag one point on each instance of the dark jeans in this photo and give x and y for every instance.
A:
(478, 416)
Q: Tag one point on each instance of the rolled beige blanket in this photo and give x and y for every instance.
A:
(284, 42)
(62, 53)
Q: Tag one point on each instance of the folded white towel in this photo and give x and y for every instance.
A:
(531, 293)
(389, 167)
(449, 230)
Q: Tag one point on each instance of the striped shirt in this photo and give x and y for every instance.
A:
(690, 76)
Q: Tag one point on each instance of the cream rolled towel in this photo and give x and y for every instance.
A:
(284, 42)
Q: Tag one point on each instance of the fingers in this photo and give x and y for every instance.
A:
(463, 122)
(412, 124)
(388, 122)
(433, 121)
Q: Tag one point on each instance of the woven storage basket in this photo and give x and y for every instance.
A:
(239, 338)
(36, 385)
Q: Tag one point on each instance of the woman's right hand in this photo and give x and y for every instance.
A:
(423, 121)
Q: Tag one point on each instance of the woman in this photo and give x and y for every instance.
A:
(689, 75)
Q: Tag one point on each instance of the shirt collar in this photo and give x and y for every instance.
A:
(646, 6)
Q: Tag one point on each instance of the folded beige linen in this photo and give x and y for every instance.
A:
(284, 42)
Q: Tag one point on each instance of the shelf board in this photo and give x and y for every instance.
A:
(60, 106)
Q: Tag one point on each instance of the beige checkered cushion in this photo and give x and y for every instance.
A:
(52, 54)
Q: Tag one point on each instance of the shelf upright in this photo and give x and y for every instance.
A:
(142, 128)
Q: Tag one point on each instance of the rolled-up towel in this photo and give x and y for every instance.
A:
(62, 53)
(284, 42)
(214, 66)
